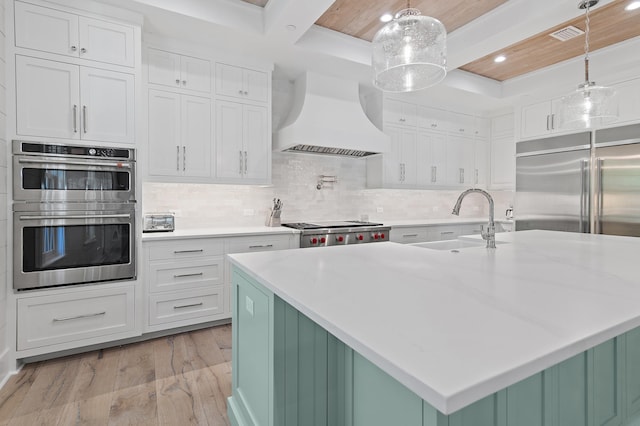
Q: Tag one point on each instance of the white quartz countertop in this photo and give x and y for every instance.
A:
(456, 327)
(433, 222)
(217, 232)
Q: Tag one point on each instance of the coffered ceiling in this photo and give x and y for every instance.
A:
(610, 24)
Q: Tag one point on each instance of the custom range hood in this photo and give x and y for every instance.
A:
(327, 118)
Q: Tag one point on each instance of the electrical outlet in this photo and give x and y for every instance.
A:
(249, 305)
(248, 212)
(379, 210)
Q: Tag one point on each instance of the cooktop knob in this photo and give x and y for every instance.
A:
(340, 238)
(360, 237)
(376, 236)
(323, 240)
(314, 241)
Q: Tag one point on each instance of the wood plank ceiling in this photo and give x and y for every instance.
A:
(610, 24)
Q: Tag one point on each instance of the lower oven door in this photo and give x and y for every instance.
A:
(60, 247)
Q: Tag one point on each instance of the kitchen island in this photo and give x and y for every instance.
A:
(543, 330)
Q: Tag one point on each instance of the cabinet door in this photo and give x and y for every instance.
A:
(481, 162)
(409, 162)
(503, 163)
(460, 161)
(164, 134)
(392, 158)
(489, 411)
(433, 119)
(431, 155)
(196, 136)
(257, 146)
(462, 124)
(256, 85)
(195, 74)
(607, 383)
(229, 152)
(632, 354)
(47, 30)
(107, 105)
(628, 100)
(48, 98)
(164, 68)
(106, 42)
(229, 81)
(400, 113)
(536, 120)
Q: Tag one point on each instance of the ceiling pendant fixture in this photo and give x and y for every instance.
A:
(409, 53)
(590, 106)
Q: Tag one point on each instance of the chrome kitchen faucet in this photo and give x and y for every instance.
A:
(490, 233)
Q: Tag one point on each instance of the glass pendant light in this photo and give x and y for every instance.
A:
(590, 105)
(409, 53)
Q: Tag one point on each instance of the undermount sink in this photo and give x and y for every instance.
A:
(452, 244)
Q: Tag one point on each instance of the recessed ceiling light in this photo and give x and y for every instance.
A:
(291, 27)
(633, 5)
(386, 17)
(500, 58)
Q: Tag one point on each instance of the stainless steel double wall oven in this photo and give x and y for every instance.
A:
(73, 214)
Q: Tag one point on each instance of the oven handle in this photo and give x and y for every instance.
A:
(88, 216)
(115, 164)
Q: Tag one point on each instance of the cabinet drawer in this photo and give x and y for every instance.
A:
(472, 228)
(185, 305)
(408, 235)
(48, 320)
(172, 275)
(259, 243)
(439, 233)
(197, 247)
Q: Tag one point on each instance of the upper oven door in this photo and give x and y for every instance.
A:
(40, 178)
(55, 247)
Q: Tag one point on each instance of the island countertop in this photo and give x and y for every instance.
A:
(456, 327)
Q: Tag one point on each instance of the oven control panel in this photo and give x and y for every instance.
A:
(337, 238)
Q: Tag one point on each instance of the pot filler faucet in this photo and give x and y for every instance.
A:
(490, 233)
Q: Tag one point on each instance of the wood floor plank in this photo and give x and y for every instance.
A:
(136, 366)
(178, 403)
(170, 356)
(87, 412)
(222, 334)
(214, 387)
(203, 349)
(14, 391)
(135, 406)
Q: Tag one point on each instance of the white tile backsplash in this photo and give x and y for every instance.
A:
(294, 178)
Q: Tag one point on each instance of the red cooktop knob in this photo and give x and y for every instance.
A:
(314, 241)
(382, 235)
(376, 236)
(340, 238)
(323, 240)
(360, 237)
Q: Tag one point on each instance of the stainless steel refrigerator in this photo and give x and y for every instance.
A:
(584, 182)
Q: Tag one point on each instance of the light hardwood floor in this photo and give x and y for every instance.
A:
(178, 380)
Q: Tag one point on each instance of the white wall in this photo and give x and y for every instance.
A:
(4, 348)
(294, 181)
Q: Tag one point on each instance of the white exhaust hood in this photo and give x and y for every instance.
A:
(327, 118)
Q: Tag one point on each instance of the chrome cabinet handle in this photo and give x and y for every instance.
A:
(197, 274)
(246, 93)
(599, 196)
(177, 81)
(184, 158)
(83, 50)
(477, 178)
(189, 251)
(245, 162)
(240, 92)
(461, 175)
(184, 82)
(97, 314)
(84, 117)
(553, 121)
(192, 305)
(409, 235)
(434, 171)
(74, 48)
(261, 246)
(548, 122)
(76, 216)
(177, 157)
(75, 119)
(240, 164)
(446, 232)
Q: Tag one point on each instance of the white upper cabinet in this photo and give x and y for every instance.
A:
(433, 119)
(67, 101)
(628, 94)
(400, 113)
(503, 153)
(179, 71)
(242, 83)
(431, 158)
(58, 32)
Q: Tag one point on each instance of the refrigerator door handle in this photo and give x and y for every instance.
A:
(599, 196)
(584, 196)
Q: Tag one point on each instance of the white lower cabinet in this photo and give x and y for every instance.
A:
(409, 235)
(427, 233)
(82, 317)
(196, 305)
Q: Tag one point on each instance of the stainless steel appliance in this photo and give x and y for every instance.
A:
(73, 214)
(68, 173)
(334, 233)
(580, 183)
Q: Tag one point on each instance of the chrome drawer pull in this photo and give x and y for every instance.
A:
(446, 233)
(88, 216)
(188, 306)
(188, 251)
(115, 164)
(261, 246)
(188, 275)
(97, 314)
(409, 235)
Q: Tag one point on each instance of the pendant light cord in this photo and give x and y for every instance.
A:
(586, 44)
